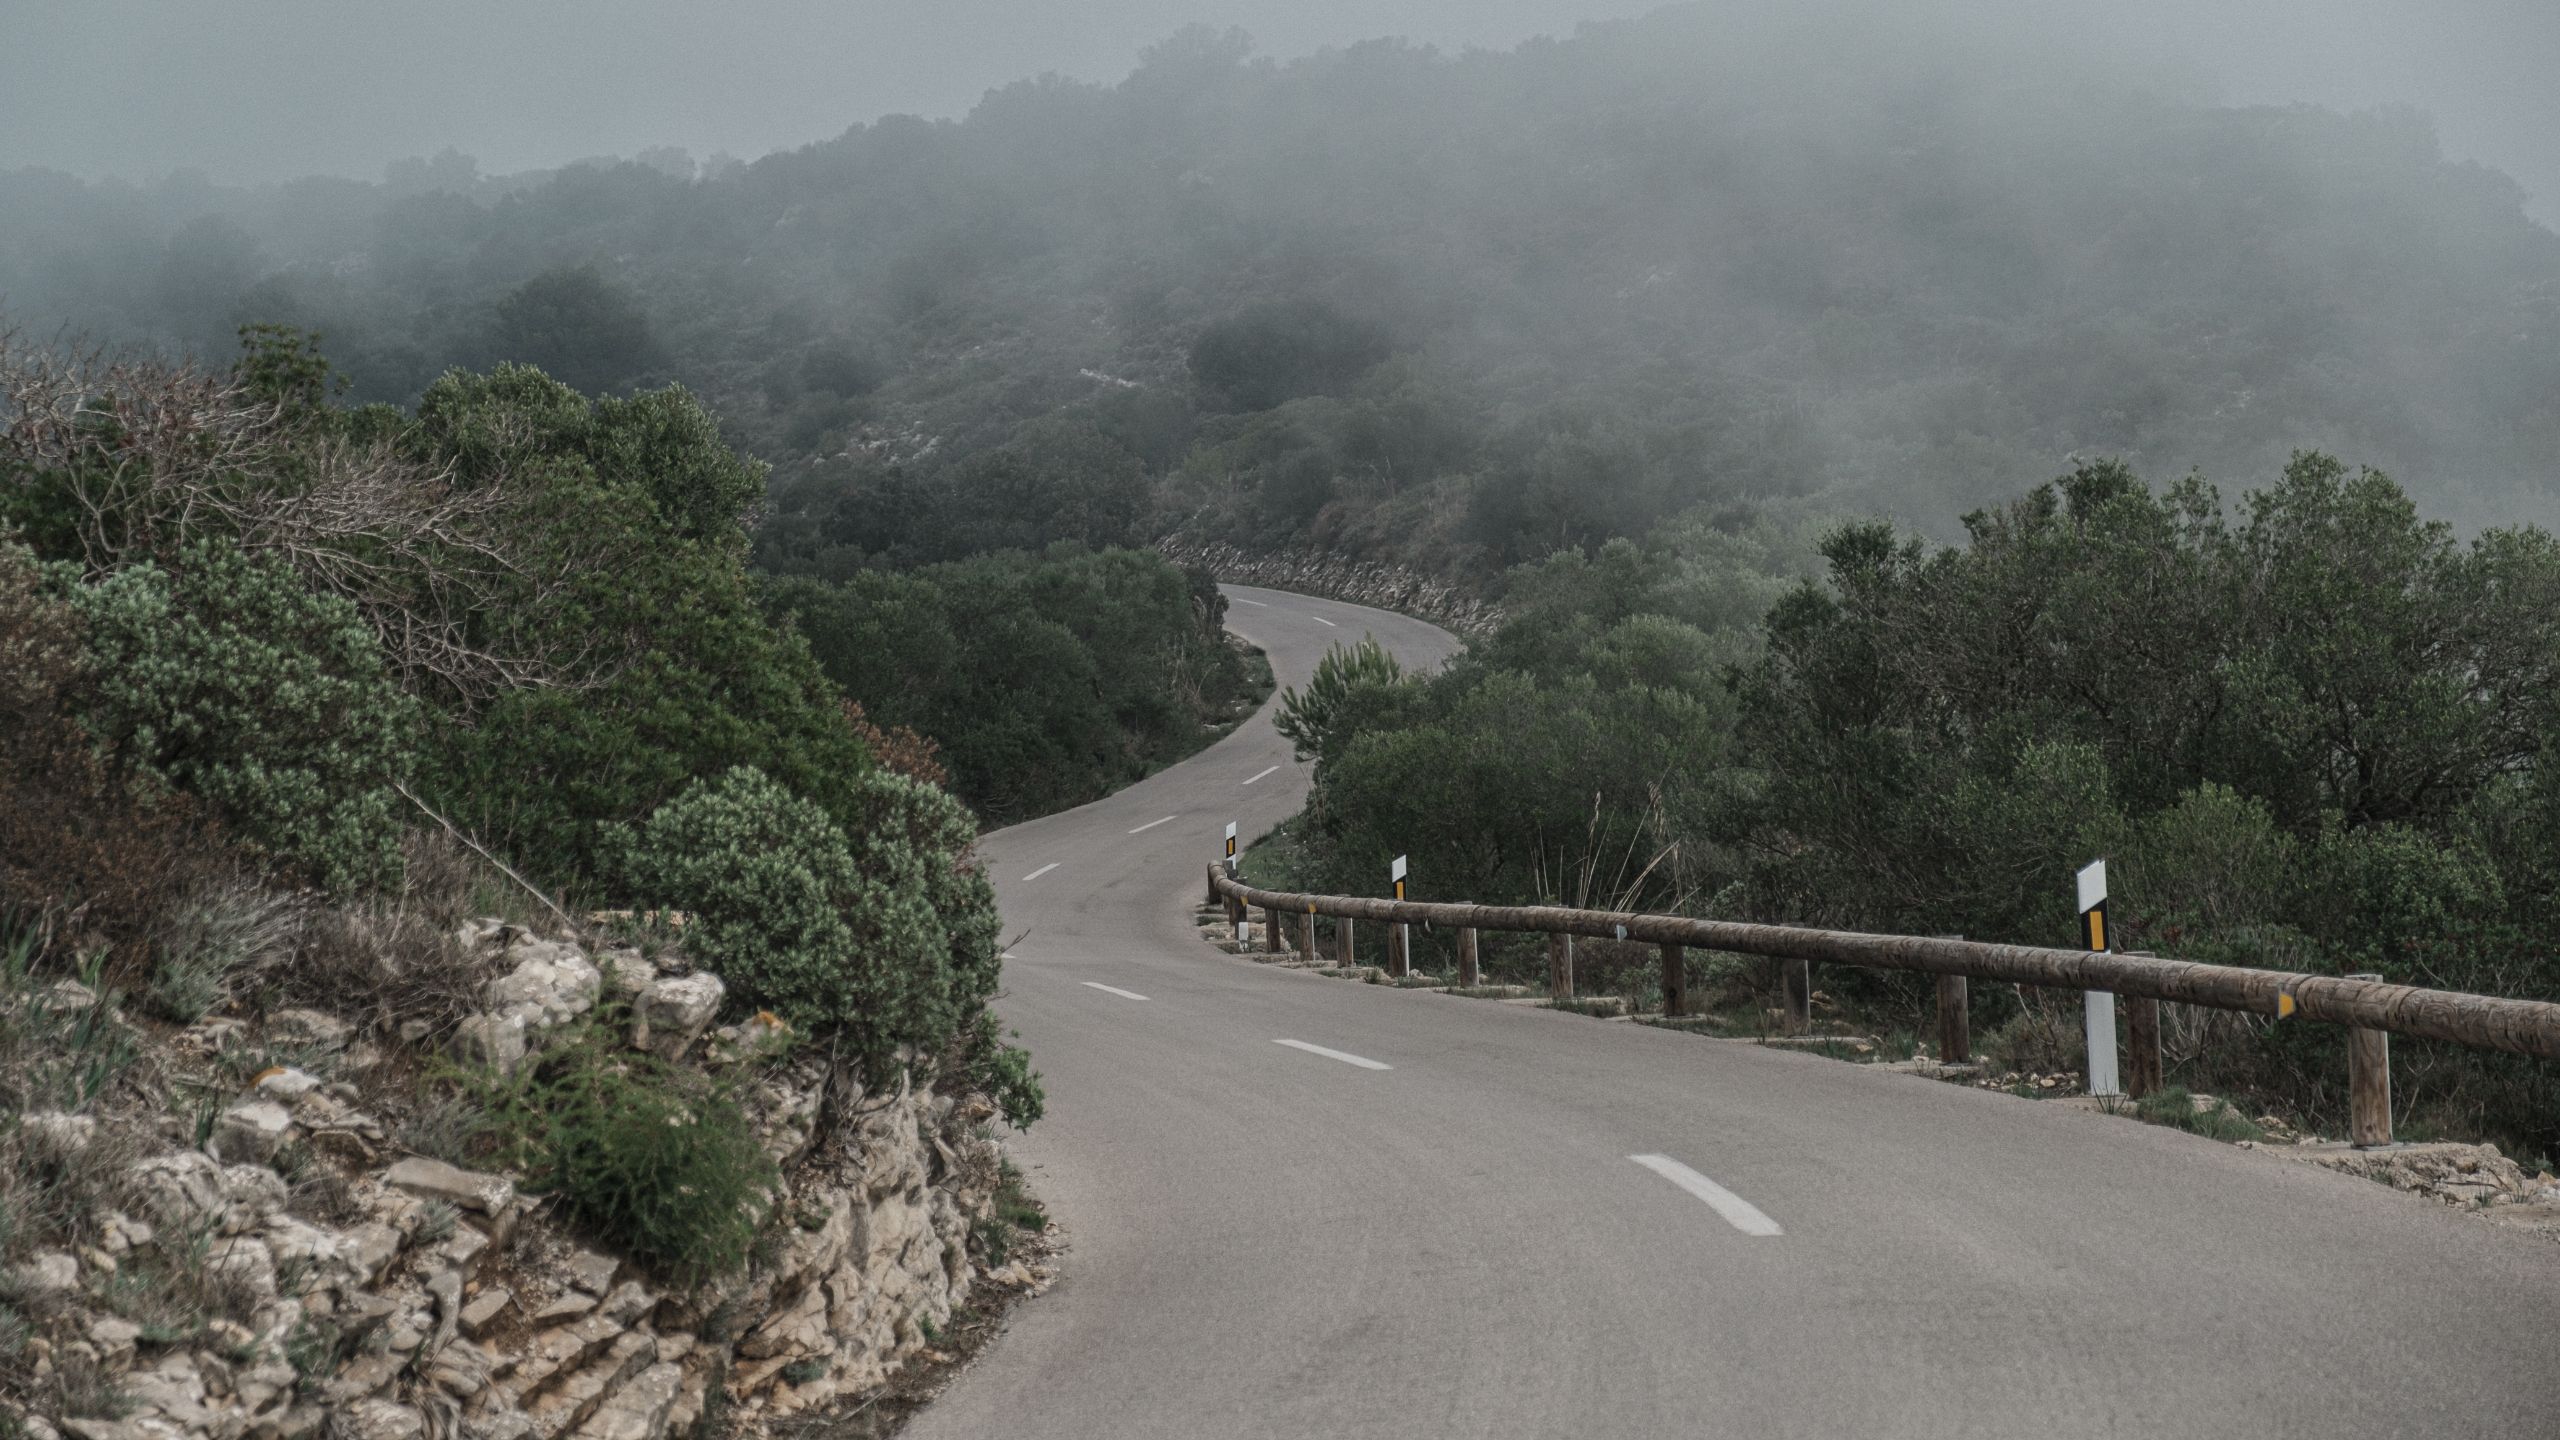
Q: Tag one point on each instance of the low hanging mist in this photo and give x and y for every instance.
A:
(1456, 308)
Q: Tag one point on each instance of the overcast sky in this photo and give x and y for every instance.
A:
(250, 90)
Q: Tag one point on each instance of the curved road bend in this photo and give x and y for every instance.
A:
(1269, 1240)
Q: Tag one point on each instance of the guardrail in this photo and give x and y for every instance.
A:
(2370, 1009)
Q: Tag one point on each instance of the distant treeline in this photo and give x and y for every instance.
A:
(1454, 310)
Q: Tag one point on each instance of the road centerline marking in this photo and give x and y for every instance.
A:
(1043, 870)
(1345, 1057)
(1323, 621)
(1741, 1214)
(1150, 825)
(1115, 990)
(1256, 604)
(1260, 774)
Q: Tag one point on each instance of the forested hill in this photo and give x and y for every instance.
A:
(1456, 308)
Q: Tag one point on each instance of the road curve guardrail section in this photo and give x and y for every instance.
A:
(2368, 1006)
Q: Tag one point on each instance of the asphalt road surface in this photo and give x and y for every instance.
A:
(1300, 1207)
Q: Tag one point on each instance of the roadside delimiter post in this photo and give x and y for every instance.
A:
(1955, 1021)
(2368, 1084)
(1400, 939)
(2098, 1006)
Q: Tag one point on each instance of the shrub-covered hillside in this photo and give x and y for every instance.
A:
(257, 643)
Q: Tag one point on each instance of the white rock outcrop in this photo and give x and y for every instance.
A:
(439, 1301)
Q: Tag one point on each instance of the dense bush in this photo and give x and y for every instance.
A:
(75, 837)
(1579, 753)
(878, 938)
(1044, 680)
(225, 677)
(638, 603)
(656, 1159)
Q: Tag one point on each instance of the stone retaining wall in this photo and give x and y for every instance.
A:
(1361, 582)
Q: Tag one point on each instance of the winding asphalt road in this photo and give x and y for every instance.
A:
(1455, 1238)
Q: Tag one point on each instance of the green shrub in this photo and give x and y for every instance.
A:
(225, 676)
(656, 1159)
(883, 940)
(1003, 1073)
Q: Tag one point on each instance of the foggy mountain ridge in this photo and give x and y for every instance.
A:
(1507, 299)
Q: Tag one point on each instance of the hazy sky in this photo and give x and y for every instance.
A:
(268, 89)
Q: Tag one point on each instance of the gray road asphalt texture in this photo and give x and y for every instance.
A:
(1269, 1241)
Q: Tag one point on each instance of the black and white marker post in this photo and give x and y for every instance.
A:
(2100, 1004)
(1235, 908)
(1404, 933)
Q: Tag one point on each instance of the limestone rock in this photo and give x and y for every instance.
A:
(252, 1130)
(43, 1278)
(493, 1040)
(567, 1307)
(551, 984)
(639, 1411)
(379, 1420)
(592, 1272)
(435, 1180)
(480, 1314)
(285, 1082)
(180, 1190)
(676, 1011)
(631, 970)
(56, 1136)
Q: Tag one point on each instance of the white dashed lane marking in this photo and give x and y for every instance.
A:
(1741, 1214)
(1043, 870)
(1150, 825)
(1347, 1059)
(1260, 774)
(1115, 990)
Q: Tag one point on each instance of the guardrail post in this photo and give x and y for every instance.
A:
(1560, 966)
(1798, 978)
(1342, 954)
(1675, 980)
(2142, 1045)
(1272, 944)
(1213, 882)
(1307, 935)
(1468, 977)
(1955, 1020)
(1399, 952)
(2368, 1084)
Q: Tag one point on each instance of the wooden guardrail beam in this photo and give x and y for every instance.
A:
(2488, 1022)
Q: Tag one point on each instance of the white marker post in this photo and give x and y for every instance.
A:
(1404, 932)
(1236, 920)
(2100, 1005)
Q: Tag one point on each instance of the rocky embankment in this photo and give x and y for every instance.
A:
(273, 1266)
(1315, 572)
